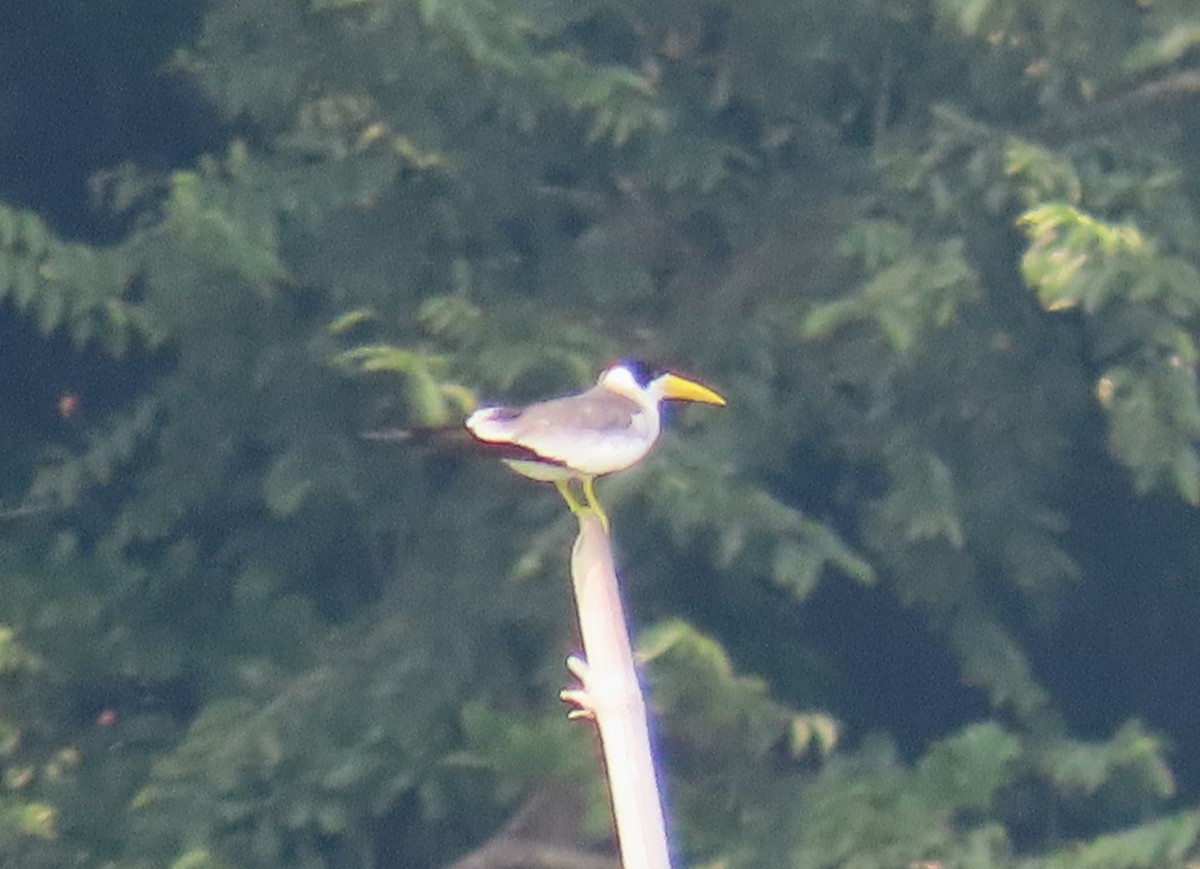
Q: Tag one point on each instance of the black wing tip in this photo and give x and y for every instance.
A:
(415, 435)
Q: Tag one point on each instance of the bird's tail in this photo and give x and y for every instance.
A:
(453, 437)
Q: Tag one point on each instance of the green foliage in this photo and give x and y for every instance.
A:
(1145, 307)
(64, 482)
(1065, 53)
(619, 101)
(1132, 759)
(731, 711)
(18, 819)
(210, 786)
(991, 658)
(868, 811)
(908, 292)
(71, 287)
(923, 502)
(1169, 33)
(1065, 242)
(232, 232)
(522, 755)
(430, 402)
(967, 769)
(744, 529)
(1167, 842)
(524, 752)
(1042, 174)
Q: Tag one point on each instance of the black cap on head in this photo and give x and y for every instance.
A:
(643, 372)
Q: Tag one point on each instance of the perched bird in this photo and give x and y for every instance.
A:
(608, 428)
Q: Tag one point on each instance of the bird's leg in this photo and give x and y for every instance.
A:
(590, 504)
(564, 489)
(589, 492)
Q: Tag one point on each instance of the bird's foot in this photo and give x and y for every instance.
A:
(589, 505)
(573, 503)
(589, 492)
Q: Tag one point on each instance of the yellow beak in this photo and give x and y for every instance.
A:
(682, 389)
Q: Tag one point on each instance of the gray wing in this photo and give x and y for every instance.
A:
(596, 411)
(564, 429)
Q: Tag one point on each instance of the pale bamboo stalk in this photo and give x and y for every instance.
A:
(612, 695)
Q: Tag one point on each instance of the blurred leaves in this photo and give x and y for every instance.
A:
(429, 401)
(968, 768)
(742, 527)
(730, 710)
(211, 785)
(62, 484)
(909, 291)
(83, 291)
(990, 657)
(1065, 242)
(1144, 308)
(1131, 760)
(1171, 840)
(619, 101)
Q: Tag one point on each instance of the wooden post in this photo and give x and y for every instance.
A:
(612, 694)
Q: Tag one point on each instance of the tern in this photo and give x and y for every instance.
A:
(608, 428)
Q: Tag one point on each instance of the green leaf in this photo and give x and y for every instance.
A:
(966, 770)
(287, 484)
(351, 319)
(1165, 842)
(797, 568)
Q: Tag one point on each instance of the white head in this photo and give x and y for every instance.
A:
(639, 382)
